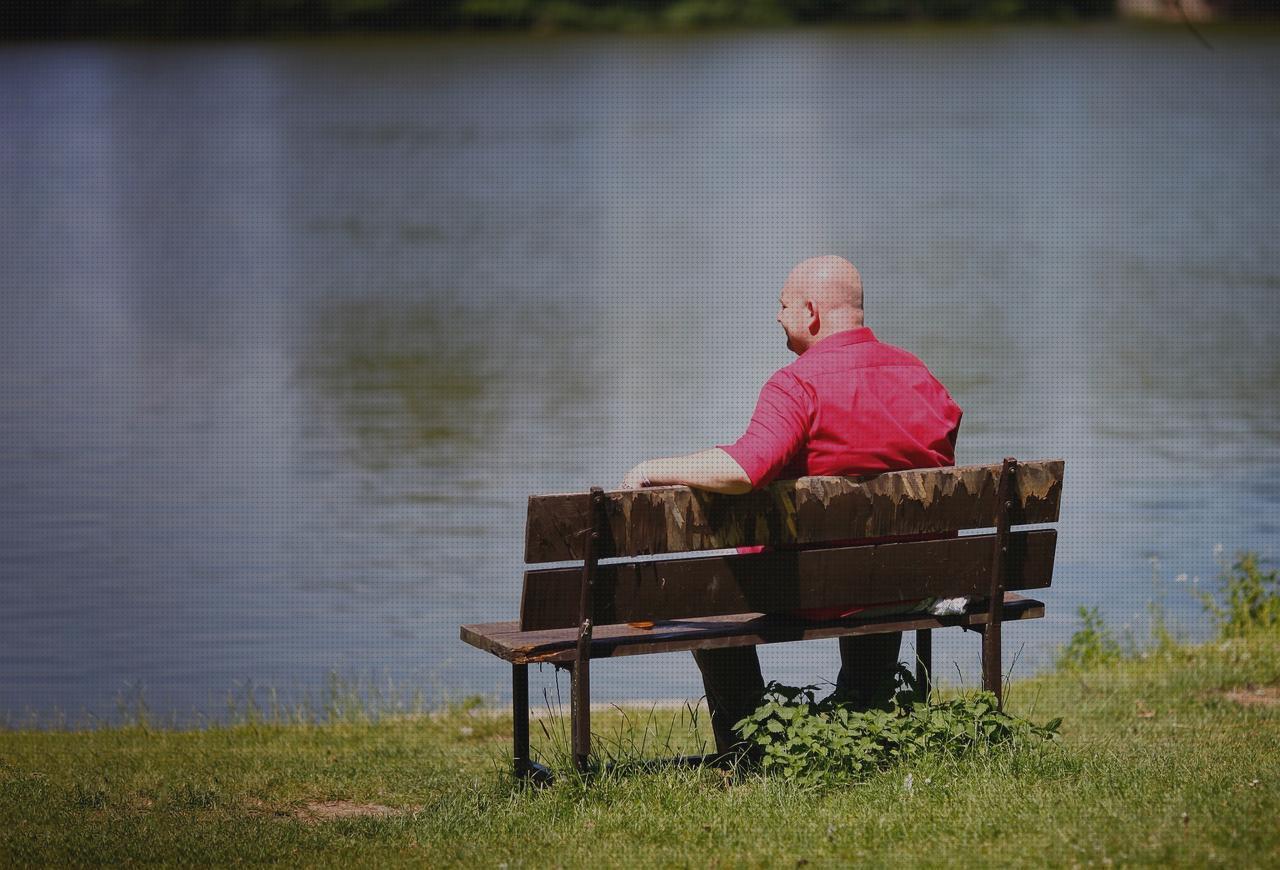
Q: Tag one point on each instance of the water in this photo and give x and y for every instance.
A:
(288, 332)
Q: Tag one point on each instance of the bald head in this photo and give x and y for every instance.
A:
(822, 296)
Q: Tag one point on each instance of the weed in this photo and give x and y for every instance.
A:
(638, 745)
(1092, 645)
(88, 796)
(809, 741)
(196, 796)
(1252, 599)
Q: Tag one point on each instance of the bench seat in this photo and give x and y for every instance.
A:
(558, 646)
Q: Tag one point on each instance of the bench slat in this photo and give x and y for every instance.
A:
(785, 580)
(673, 519)
(506, 641)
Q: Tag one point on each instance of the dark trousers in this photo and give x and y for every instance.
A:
(733, 683)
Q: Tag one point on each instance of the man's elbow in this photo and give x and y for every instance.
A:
(735, 480)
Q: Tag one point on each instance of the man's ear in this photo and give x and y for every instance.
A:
(815, 319)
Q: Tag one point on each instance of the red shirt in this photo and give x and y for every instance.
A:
(849, 405)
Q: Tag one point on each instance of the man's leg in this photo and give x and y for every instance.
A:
(732, 680)
(868, 663)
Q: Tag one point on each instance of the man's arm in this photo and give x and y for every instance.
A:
(712, 470)
(777, 430)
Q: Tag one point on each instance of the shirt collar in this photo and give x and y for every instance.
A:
(844, 339)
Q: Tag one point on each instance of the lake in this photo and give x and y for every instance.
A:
(290, 330)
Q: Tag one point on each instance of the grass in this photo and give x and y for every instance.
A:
(1156, 765)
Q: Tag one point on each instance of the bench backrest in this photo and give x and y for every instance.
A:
(806, 513)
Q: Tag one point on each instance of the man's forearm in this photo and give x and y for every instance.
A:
(712, 470)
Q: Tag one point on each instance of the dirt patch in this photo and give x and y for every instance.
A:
(328, 811)
(1255, 696)
(315, 812)
(262, 808)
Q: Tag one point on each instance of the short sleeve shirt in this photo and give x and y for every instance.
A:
(850, 405)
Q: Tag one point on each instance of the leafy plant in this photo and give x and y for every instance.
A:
(806, 740)
(1252, 599)
(1092, 645)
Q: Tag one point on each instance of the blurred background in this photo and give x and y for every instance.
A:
(293, 321)
(254, 17)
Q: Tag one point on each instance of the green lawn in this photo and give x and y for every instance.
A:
(1157, 765)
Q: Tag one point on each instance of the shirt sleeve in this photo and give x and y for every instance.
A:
(777, 430)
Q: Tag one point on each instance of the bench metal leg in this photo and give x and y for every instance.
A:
(1005, 492)
(991, 677)
(580, 692)
(520, 715)
(924, 663)
(580, 710)
(526, 769)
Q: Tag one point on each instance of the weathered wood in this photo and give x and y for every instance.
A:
(675, 519)
(559, 646)
(780, 581)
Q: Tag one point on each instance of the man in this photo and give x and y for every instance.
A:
(850, 405)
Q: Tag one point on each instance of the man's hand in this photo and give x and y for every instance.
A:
(636, 478)
(712, 470)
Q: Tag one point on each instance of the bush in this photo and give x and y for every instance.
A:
(691, 14)
(805, 740)
(1252, 599)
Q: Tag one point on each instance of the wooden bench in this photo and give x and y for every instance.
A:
(634, 606)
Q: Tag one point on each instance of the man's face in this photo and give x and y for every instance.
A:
(794, 316)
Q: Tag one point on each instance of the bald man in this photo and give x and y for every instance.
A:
(850, 405)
